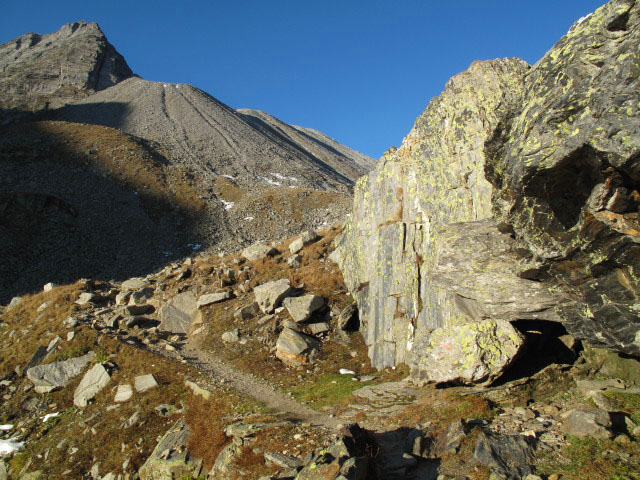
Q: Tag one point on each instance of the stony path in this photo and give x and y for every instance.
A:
(256, 388)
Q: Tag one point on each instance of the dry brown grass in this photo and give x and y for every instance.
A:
(95, 425)
(41, 326)
(206, 424)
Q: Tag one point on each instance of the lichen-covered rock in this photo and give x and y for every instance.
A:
(551, 154)
(435, 178)
(170, 459)
(566, 171)
(466, 354)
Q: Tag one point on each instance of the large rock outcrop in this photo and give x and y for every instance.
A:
(512, 198)
(47, 71)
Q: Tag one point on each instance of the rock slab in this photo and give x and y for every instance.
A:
(179, 313)
(93, 381)
(49, 377)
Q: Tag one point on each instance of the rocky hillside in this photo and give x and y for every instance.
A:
(242, 177)
(212, 139)
(513, 201)
(47, 71)
(249, 366)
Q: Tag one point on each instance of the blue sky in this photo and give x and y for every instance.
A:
(360, 71)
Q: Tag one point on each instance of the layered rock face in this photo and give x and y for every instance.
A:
(47, 71)
(512, 198)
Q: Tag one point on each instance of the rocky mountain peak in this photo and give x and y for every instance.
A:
(46, 71)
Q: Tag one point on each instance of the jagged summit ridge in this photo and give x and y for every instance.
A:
(50, 70)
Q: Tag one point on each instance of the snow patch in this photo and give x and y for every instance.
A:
(49, 415)
(248, 218)
(7, 447)
(284, 177)
(269, 181)
(227, 205)
(229, 176)
(6, 428)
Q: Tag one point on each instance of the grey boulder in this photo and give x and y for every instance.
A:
(301, 308)
(472, 353)
(47, 378)
(258, 251)
(591, 422)
(305, 238)
(93, 381)
(179, 313)
(269, 296)
(295, 348)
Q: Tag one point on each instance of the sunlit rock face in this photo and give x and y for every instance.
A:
(514, 197)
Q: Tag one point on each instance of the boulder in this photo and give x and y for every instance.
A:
(223, 465)
(123, 393)
(301, 308)
(14, 303)
(294, 261)
(49, 377)
(48, 287)
(231, 336)
(141, 297)
(247, 312)
(269, 295)
(304, 239)
(295, 348)
(146, 382)
(588, 422)
(513, 456)
(258, 251)
(93, 381)
(88, 297)
(472, 353)
(171, 459)
(135, 283)
(179, 313)
(212, 298)
(517, 197)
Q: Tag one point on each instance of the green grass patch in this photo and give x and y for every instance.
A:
(326, 389)
(591, 459)
(626, 402)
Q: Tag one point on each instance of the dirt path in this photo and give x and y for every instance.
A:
(256, 388)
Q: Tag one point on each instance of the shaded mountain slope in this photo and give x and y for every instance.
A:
(80, 200)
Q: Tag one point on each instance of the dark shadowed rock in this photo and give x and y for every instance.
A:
(511, 455)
